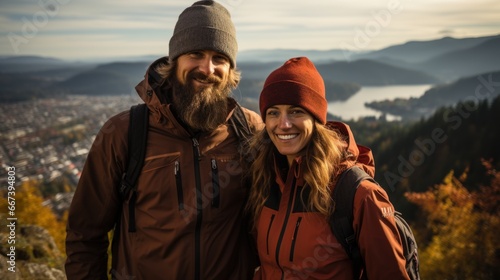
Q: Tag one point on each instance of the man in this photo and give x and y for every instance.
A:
(186, 225)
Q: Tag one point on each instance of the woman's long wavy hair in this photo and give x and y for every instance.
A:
(323, 159)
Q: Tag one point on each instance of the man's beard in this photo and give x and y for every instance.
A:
(203, 108)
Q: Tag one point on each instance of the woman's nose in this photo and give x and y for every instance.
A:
(284, 121)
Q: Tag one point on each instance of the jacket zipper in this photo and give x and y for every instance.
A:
(215, 183)
(285, 222)
(294, 238)
(199, 208)
(178, 183)
(268, 231)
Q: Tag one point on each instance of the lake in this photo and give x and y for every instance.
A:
(354, 107)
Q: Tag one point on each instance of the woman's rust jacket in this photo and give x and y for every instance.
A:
(296, 243)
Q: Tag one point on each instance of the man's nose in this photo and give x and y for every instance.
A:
(207, 66)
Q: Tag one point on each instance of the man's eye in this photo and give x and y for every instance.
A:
(221, 59)
(196, 54)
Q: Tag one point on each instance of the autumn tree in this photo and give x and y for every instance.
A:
(29, 210)
(460, 237)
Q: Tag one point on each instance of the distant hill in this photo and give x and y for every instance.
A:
(121, 77)
(96, 82)
(418, 51)
(59, 74)
(363, 72)
(107, 79)
(249, 90)
(415, 62)
(476, 87)
(23, 64)
(402, 55)
(255, 73)
(132, 70)
(483, 86)
(30, 59)
(282, 55)
(342, 79)
(257, 70)
(482, 58)
(15, 87)
(372, 73)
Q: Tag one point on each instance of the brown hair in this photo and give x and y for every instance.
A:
(323, 157)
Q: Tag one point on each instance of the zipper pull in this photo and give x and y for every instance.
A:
(197, 146)
(296, 228)
(178, 183)
(215, 183)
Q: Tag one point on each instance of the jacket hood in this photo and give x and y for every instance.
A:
(151, 84)
(358, 154)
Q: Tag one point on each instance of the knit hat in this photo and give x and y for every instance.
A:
(205, 25)
(297, 82)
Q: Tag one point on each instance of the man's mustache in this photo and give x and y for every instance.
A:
(204, 78)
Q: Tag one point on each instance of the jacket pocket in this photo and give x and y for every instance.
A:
(294, 238)
(223, 188)
(215, 185)
(159, 162)
(161, 177)
(268, 232)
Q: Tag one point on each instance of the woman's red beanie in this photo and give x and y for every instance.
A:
(297, 82)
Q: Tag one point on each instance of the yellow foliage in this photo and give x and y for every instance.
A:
(464, 239)
(29, 209)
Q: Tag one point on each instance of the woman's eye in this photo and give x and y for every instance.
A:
(294, 112)
(272, 113)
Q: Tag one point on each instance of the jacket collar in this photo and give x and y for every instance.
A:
(285, 174)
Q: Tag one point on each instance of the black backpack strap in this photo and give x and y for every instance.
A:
(410, 249)
(342, 218)
(137, 139)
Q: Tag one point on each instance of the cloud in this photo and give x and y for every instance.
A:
(135, 26)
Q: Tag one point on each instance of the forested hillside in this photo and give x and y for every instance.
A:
(414, 157)
(476, 87)
(443, 174)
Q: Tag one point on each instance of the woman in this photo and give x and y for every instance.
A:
(298, 159)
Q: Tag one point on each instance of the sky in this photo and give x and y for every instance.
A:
(94, 29)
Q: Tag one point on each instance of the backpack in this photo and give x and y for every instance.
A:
(137, 139)
(342, 218)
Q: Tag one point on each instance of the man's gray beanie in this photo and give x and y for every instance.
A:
(205, 25)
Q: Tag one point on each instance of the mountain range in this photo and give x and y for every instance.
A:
(436, 62)
(483, 86)
(418, 51)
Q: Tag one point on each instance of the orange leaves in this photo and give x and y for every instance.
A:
(31, 211)
(462, 228)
